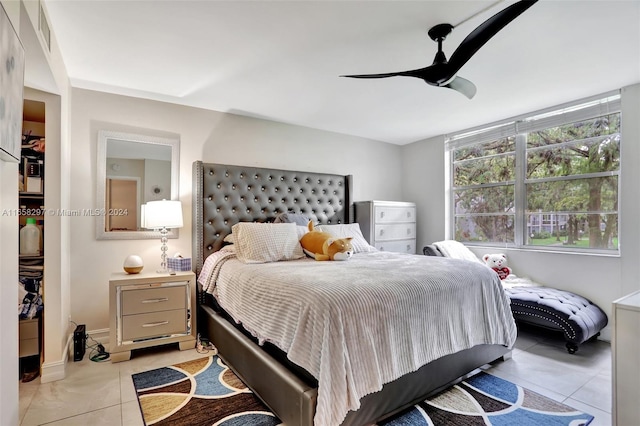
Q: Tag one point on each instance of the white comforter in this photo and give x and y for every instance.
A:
(358, 324)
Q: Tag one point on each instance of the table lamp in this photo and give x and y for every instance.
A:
(163, 215)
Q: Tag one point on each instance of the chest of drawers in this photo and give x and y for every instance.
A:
(388, 225)
(149, 310)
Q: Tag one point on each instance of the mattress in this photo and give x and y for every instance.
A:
(359, 324)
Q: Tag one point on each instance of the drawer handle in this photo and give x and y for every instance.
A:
(408, 231)
(155, 324)
(382, 232)
(159, 299)
(381, 215)
(408, 247)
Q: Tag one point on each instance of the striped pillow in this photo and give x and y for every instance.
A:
(266, 242)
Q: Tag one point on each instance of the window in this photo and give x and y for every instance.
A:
(547, 180)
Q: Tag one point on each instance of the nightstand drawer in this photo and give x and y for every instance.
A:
(386, 214)
(155, 324)
(154, 299)
(395, 232)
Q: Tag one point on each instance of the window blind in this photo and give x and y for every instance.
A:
(558, 115)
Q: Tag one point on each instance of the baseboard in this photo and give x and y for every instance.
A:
(50, 372)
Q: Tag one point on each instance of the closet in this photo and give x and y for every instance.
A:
(31, 262)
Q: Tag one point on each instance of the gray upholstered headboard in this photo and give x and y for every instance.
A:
(224, 195)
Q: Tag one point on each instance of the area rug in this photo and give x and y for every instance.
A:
(206, 392)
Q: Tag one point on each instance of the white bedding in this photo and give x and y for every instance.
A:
(358, 324)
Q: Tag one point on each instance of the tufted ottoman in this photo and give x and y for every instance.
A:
(578, 318)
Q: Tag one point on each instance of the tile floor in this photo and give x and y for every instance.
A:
(103, 394)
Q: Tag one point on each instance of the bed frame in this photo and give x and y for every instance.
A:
(224, 195)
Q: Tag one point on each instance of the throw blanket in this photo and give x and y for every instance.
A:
(359, 324)
(211, 268)
(456, 250)
(513, 281)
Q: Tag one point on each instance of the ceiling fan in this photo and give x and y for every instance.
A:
(442, 73)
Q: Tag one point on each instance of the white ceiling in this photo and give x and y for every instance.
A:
(280, 60)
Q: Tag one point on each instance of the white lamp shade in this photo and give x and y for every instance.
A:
(162, 214)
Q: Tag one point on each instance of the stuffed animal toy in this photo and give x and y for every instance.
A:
(498, 262)
(324, 246)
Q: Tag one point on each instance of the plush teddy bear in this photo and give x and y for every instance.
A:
(324, 246)
(498, 262)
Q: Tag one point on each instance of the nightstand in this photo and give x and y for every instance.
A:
(151, 309)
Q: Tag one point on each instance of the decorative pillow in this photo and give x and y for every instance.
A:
(359, 244)
(229, 238)
(301, 230)
(298, 219)
(266, 242)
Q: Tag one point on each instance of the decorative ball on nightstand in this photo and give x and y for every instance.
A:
(133, 264)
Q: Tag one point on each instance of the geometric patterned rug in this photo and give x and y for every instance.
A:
(206, 392)
(484, 399)
(199, 392)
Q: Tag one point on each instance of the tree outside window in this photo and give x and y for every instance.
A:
(566, 190)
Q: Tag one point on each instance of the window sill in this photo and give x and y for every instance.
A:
(547, 250)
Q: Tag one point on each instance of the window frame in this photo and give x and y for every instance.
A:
(519, 127)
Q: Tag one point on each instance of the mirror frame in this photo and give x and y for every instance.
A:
(101, 180)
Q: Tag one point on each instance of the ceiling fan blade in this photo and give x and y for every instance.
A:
(391, 74)
(463, 86)
(410, 73)
(484, 32)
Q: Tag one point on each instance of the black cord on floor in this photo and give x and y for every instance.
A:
(98, 352)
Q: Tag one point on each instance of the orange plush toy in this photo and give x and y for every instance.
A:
(324, 246)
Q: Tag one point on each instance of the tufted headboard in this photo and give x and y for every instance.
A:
(224, 195)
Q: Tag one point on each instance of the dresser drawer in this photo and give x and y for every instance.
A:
(395, 232)
(154, 299)
(155, 324)
(398, 246)
(389, 214)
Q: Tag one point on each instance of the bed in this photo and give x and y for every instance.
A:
(225, 195)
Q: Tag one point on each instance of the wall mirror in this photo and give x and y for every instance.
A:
(132, 170)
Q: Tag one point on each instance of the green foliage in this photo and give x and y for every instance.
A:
(484, 180)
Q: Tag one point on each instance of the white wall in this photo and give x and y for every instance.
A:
(9, 275)
(204, 135)
(423, 180)
(42, 71)
(9, 296)
(601, 279)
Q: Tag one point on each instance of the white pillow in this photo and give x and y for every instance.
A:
(266, 242)
(360, 245)
(301, 230)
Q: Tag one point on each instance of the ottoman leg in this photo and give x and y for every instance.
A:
(572, 348)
